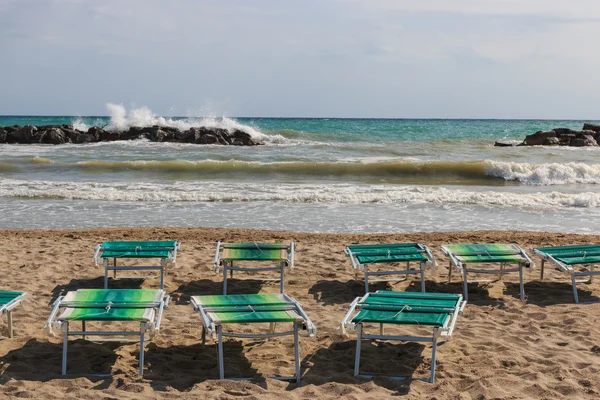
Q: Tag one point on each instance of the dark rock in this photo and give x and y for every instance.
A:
(534, 140)
(109, 136)
(3, 134)
(591, 127)
(587, 140)
(133, 133)
(188, 136)
(208, 138)
(551, 141)
(503, 144)
(82, 137)
(241, 138)
(66, 126)
(158, 134)
(25, 135)
(564, 131)
(55, 136)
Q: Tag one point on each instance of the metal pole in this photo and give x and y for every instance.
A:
(407, 266)
(433, 353)
(65, 345)
(574, 283)
(423, 277)
(10, 324)
(220, 352)
(105, 273)
(465, 282)
(366, 279)
(83, 329)
(450, 272)
(115, 270)
(542, 270)
(141, 350)
(521, 285)
(297, 353)
(203, 335)
(282, 281)
(224, 277)
(357, 357)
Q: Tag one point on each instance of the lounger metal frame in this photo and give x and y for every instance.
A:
(228, 266)
(444, 332)
(568, 269)
(462, 267)
(150, 327)
(365, 267)
(8, 309)
(164, 262)
(215, 330)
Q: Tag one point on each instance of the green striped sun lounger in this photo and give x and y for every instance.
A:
(504, 254)
(272, 309)
(229, 253)
(436, 310)
(143, 306)
(165, 250)
(361, 256)
(568, 258)
(8, 301)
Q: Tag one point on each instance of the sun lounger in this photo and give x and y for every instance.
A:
(165, 250)
(8, 301)
(504, 254)
(144, 306)
(567, 258)
(361, 256)
(216, 311)
(436, 310)
(228, 253)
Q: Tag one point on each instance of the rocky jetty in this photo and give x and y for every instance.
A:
(589, 136)
(60, 134)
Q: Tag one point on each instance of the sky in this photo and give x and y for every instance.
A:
(306, 58)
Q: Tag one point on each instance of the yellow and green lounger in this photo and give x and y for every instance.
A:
(165, 250)
(463, 254)
(8, 301)
(216, 311)
(228, 253)
(143, 306)
(567, 258)
(436, 310)
(361, 256)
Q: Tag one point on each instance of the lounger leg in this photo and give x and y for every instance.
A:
(162, 275)
(10, 324)
(220, 352)
(450, 272)
(297, 353)
(521, 285)
(357, 357)
(105, 274)
(366, 280)
(83, 329)
(433, 354)
(203, 335)
(381, 329)
(115, 270)
(542, 271)
(422, 278)
(465, 283)
(225, 278)
(142, 351)
(407, 266)
(65, 345)
(591, 270)
(282, 281)
(501, 268)
(574, 282)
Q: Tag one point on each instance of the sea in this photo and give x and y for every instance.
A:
(311, 175)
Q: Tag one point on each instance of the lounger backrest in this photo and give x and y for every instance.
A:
(385, 253)
(581, 254)
(496, 252)
(257, 308)
(255, 252)
(139, 249)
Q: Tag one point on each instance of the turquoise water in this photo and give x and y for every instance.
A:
(319, 175)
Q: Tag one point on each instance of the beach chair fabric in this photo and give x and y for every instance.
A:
(463, 254)
(216, 311)
(8, 301)
(363, 255)
(229, 254)
(437, 310)
(165, 250)
(567, 258)
(144, 306)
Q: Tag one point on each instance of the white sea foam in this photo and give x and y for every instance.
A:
(544, 174)
(290, 193)
(121, 119)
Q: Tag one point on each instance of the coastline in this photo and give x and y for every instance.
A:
(501, 347)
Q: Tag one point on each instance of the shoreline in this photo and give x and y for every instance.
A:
(502, 347)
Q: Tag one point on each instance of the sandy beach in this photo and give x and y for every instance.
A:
(544, 348)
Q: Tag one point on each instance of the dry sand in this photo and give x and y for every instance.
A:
(544, 348)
